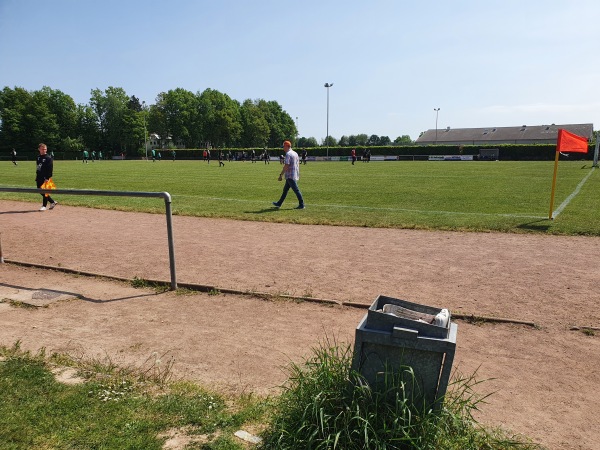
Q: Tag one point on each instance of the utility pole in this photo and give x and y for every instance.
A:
(437, 110)
(328, 85)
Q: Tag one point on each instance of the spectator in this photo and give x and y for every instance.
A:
(291, 172)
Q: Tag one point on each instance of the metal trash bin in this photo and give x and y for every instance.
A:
(387, 341)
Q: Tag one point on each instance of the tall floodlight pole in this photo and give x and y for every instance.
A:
(328, 85)
(437, 111)
(145, 133)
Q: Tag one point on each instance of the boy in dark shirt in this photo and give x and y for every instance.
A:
(44, 173)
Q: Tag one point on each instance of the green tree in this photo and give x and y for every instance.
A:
(329, 141)
(134, 104)
(13, 104)
(39, 121)
(114, 122)
(344, 141)
(63, 107)
(361, 139)
(404, 139)
(136, 119)
(111, 107)
(281, 124)
(179, 110)
(373, 140)
(255, 128)
(133, 130)
(73, 144)
(28, 118)
(87, 126)
(220, 117)
(384, 140)
(156, 119)
(307, 142)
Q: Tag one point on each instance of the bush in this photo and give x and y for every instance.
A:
(327, 405)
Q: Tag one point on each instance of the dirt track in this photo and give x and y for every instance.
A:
(545, 378)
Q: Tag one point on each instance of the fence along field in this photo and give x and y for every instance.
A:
(501, 196)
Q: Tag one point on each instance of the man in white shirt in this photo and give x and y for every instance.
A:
(291, 172)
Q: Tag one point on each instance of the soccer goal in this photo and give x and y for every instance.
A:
(489, 154)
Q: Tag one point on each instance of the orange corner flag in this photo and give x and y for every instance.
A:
(569, 142)
(566, 142)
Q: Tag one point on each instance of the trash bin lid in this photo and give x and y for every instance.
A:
(387, 312)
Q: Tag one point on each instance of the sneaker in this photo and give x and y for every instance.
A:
(43, 208)
(300, 207)
(52, 205)
(276, 205)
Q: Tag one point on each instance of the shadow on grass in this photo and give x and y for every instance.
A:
(263, 211)
(541, 225)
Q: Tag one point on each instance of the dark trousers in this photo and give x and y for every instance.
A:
(45, 199)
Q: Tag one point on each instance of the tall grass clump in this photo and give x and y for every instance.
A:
(327, 405)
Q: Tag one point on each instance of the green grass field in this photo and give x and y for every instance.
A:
(475, 196)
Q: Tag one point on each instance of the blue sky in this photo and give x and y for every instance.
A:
(483, 63)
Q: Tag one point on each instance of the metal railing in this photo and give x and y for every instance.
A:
(164, 195)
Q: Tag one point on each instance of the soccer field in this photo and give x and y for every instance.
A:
(468, 195)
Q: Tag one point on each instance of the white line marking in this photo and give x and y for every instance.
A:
(373, 208)
(422, 211)
(564, 204)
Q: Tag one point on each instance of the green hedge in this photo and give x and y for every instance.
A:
(508, 152)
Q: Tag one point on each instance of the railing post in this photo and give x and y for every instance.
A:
(165, 195)
(167, 198)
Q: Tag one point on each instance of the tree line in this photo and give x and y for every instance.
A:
(116, 122)
(358, 140)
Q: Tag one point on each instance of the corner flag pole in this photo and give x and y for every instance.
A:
(569, 142)
(596, 149)
(554, 182)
